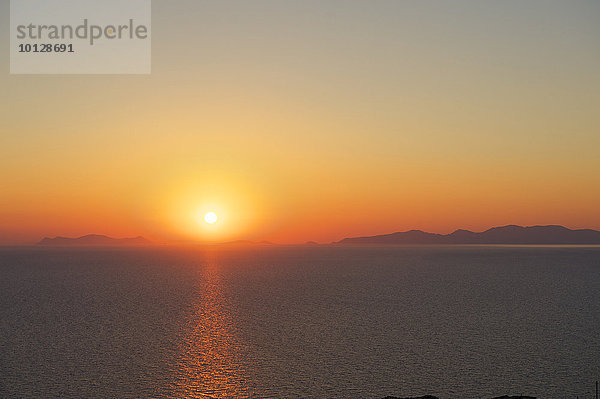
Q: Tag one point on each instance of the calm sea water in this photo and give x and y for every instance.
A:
(321, 322)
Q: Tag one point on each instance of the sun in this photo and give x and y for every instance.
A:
(210, 218)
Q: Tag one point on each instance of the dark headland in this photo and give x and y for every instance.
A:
(509, 235)
(94, 240)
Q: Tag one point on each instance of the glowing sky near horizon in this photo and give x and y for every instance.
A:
(314, 120)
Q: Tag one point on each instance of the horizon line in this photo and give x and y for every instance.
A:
(191, 242)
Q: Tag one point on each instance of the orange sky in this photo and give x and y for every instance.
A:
(310, 121)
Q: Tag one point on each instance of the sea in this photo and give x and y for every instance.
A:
(300, 322)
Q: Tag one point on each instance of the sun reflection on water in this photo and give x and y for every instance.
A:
(209, 366)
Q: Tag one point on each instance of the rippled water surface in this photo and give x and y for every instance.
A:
(315, 322)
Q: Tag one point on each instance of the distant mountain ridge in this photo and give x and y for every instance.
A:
(94, 240)
(511, 234)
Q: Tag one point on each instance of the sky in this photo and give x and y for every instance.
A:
(314, 120)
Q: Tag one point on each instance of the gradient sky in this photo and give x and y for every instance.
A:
(314, 120)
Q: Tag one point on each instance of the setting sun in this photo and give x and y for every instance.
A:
(210, 218)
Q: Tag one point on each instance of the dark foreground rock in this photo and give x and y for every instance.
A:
(419, 397)
(514, 397)
(435, 397)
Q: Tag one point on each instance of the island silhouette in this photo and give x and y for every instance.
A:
(94, 240)
(504, 235)
(509, 235)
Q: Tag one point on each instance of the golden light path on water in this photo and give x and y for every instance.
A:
(209, 366)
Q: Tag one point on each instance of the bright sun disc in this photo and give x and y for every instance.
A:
(210, 218)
